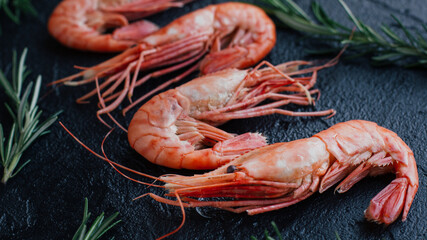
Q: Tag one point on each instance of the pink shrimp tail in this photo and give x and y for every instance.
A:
(389, 154)
(397, 197)
(387, 205)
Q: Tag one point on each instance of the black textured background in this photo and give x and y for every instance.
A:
(45, 201)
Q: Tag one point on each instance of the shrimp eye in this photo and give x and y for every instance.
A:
(231, 169)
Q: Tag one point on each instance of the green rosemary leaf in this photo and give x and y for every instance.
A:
(20, 168)
(317, 8)
(21, 71)
(106, 225)
(337, 235)
(26, 7)
(7, 87)
(12, 16)
(284, 6)
(387, 56)
(407, 51)
(86, 213)
(81, 231)
(22, 108)
(94, 227)
(374, 35)
(392, 35)
(321, 16)
(11, 112)
(293, 6)
(351, 15)
(267, 235)
(9, 148)
(276, 230)
(416, 64)
(2, 139)
(36, 93)
(421, 41)
(41, 129)
(298, 23)
(18, 6)
(98, 227)
(407, 33)
(268, 10)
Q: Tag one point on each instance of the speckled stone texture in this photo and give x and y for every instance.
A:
(45, 201)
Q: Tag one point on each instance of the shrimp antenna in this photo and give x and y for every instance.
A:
(119, 165)
(168, 201)
(181, 205)
(112, 162)
(102, 102)
(114, 167)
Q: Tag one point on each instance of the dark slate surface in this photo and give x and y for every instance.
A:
(46, 200)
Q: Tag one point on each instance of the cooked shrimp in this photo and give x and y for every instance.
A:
(282, 174)
(81, 24)
(210, 39)
(174, 128)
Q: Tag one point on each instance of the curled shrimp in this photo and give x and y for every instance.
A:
(210, 39)
(282, 174)
(81, 24)
(177, 129)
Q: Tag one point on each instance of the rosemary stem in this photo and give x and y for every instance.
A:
(6, 176)
(384, 47)
(7, 173)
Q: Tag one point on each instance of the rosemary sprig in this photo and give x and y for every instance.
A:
(390, 48)
(267, 234)
(279, 235)
(18, 7)
(98, 227)
(25, 114)
(14, 8)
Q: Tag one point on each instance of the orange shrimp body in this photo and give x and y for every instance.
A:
(81, 24)
(253, 34)
(176, 128)
(282, 174)
(227, 35)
